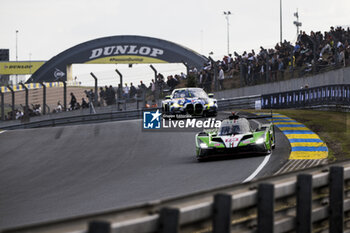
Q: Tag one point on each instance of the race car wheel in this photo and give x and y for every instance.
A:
(269, 150)
(202, 159)
(274, 137)
(190, 109)
(272, 143)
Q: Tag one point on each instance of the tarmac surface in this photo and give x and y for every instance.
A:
(54, 173)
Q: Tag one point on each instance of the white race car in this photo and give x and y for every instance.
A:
(192, 101)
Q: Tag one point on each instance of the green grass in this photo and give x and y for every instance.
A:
(332, 127)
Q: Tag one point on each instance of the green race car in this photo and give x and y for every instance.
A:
(235, 136)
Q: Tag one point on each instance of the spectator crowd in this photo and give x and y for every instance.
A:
(312, 53)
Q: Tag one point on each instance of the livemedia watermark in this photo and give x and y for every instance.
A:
(155, 121)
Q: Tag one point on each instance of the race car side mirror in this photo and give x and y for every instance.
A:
(168, 97)
(211, 95)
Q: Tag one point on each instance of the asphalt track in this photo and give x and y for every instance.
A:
(54, 173)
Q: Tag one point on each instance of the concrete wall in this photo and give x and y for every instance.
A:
(339, 76)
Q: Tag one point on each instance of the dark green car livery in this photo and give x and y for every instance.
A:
(235, 136)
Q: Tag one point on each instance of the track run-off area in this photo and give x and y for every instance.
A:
(60, 172)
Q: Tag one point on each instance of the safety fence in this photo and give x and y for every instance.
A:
(113, 114)
(255, 76)
(76, 119)
(314, 200)
(246, 102)
(20, 87)
(310, 97)
(336, 95)
(41, 101)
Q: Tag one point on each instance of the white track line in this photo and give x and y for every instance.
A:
(2, 131)
(264, 162)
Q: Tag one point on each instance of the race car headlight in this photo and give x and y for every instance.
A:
(203, 145)
(260, 141)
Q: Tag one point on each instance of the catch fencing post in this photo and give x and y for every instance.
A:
(118, 105)
(266, 208)
(222, 213)
(144, 100)
(26, 91)
(241, 75)
(27, 101)
(2, 106)
(291, 63)
(216, 83)
(155, 72)
(187, 68)
(99, 227)
(304, 203)
(336, 199)
(314, 46)
(120, 78)
(96, 94)
(158, 90)
(169, 220)
(44, 97)
(12, 102)
(64, 94)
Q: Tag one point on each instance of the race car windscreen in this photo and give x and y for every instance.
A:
(226, 130)
(191, 93)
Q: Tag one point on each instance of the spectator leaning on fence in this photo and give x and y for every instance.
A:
(102, 96)
(126, 90)
(84, 104)
(73, 101)
(142, 86)
(221, 78)
(132, 90)
(59, 107)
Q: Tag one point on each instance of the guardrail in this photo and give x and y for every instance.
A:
(313, 97)
(241, 102)
(246, 102)
(79, 119)
(310, 97)
(313, 200)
